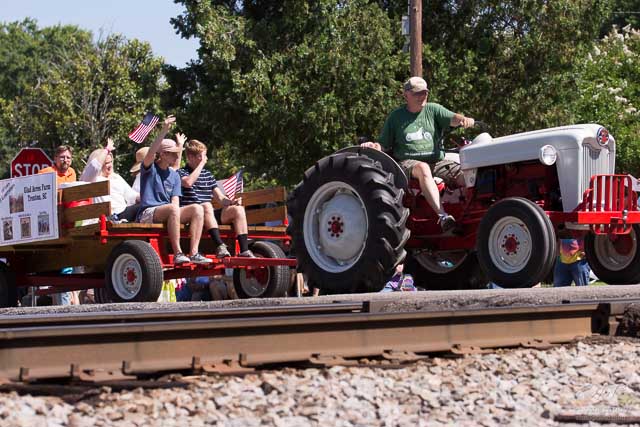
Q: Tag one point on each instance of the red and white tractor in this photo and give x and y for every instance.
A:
(356, 216)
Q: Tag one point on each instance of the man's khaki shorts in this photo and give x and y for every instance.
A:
(448, 170)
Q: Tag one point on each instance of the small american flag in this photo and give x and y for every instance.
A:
(142, 130)
(234, 184)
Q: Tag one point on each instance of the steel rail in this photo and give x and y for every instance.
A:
(103, 346)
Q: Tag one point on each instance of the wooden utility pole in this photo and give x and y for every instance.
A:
(415, 26)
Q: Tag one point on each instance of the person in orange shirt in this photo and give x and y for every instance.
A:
(62, 165)
(64, 173)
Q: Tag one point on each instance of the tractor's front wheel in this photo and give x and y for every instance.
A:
(615, 259)
(516, 243)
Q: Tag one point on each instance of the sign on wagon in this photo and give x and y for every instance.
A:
(28, 209)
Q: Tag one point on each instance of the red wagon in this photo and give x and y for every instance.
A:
(128, 262)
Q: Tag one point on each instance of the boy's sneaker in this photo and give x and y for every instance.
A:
(222, 251)
(446, 221)
(198, 258)
(115, 219)
(181, 258)
(247, 254)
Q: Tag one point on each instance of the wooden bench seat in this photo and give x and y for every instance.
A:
(261, 206)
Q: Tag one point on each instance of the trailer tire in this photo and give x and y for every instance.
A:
(348, 224)
(516, 243)
(134, 273)
(263, 282)
(8, 289)
(615, 262)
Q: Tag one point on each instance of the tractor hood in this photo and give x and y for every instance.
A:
(486, 151)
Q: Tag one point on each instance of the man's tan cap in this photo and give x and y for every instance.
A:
(415, 84)
(139, 158)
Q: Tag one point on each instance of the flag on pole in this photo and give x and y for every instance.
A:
(234, 184)
(142, 130)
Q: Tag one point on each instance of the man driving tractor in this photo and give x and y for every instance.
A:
(412, 135)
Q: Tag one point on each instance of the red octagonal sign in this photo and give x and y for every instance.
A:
(29, 161)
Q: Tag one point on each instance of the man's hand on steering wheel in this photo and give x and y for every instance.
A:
(369, 144)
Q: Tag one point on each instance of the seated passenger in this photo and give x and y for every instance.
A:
(199, 187)
(124, 200)
(160, 196)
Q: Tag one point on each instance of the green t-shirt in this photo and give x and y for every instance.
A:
(413, 135)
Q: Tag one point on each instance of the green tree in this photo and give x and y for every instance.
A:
(71, 90)
(509, 63)
(625, 12)
(609, 93)
(280, 84)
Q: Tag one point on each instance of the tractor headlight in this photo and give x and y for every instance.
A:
(548, 155)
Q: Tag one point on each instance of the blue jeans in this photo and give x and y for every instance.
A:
(564, 274)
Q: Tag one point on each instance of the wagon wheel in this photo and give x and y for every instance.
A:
(8, 289)
(516, 243)
(348, 224)
(134, 273)
(262, 282)
(615, 259)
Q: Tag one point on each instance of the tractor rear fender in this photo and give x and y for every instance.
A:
(386, 161)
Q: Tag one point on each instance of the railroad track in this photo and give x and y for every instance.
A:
(119, 346)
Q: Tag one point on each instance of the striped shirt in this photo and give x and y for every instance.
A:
(201, 191)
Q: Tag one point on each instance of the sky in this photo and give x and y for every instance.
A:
(146, 20)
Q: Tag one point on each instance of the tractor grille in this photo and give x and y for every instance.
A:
(595, 162)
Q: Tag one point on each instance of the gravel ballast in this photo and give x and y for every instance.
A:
(524, 387)
(593, 380)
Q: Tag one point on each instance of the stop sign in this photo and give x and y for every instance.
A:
(29, 161)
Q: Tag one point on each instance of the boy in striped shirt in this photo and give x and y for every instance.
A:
(199, 186)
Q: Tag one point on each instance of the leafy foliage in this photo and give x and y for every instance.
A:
(289, 82)
(609, 92)
(60, 87)
(280, 83)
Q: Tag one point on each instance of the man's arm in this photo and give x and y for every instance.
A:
(224, 200)
(189, 180)
(180, 139)
(93, 169)
(175, 201)
(460, 120)
(151, 154)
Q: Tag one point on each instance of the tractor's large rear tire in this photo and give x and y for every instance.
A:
(452, 271)
(615, 259)
(134, 273)
(263, 282)
(348, 224)
(516, 243)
